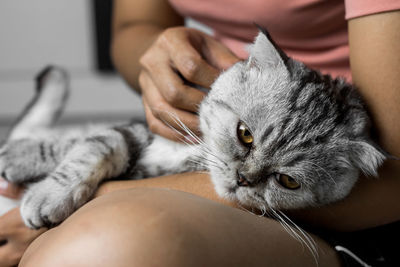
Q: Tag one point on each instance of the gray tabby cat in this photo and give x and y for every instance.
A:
(276, 135)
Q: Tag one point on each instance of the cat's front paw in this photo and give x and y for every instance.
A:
(12, 164)
(22, 160)
(48, 203)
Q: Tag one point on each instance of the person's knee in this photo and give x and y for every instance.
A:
(139, 228)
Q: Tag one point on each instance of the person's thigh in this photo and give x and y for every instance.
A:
(159, 227)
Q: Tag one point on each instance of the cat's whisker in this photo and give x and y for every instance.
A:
(206, 160)
(187, 141)
(289, 229)
(246, 210)
(207, 166)
(216, 157)
(298, 233)
(201, 144)
(209, 152)
(175, 130)
(198, 163)
(175, 118)
(264, 210)
(286, 226)
(186, 129)
(309, 239)
(195, 148)
(198, 148)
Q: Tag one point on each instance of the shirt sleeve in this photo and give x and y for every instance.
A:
(358, 8)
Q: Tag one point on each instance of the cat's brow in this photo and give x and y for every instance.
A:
(295, 159)
(266, 133)
(223, 104)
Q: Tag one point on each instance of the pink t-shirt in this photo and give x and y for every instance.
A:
(312, 31)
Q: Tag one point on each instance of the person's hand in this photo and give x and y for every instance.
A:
(10, 190)
(179, 58)
(15, 238)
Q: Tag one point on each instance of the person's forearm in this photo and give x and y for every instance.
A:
(135, 26)
(128, 45)
(195, 183)
(372, 202)
(375, 58)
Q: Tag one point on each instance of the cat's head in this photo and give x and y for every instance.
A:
(280, 135)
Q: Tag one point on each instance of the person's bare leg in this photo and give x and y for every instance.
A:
(159, 227)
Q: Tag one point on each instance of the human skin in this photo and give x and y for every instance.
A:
(162, 49)
(171, 228)
(374, 60)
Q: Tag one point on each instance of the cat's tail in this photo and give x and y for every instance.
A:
(52, 90)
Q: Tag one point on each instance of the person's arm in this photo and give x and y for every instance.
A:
(196, 183)
(373, 201)
(135, 26)
(161, 60)
(375, 60)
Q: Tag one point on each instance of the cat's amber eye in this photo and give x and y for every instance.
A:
(287, 181)
(244, 134)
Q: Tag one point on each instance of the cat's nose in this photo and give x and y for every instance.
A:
(242, 180)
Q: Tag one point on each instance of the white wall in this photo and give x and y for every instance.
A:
(34, 33)
(41, 31)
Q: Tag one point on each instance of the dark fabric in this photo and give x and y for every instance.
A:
(378, 246)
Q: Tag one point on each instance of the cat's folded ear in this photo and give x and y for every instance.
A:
(367, 157)
(264, 52)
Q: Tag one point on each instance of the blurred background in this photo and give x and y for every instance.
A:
(70, 33)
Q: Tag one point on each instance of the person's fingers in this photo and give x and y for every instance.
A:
(168, 82)
(15, 237)
(178, 120)
(10, 190)
(9, 257)
(218, 54)
(189, 62)
(168, 115)
(9, 222)
(164, 113)
(158, 127)
(10, 229)
(174, 91)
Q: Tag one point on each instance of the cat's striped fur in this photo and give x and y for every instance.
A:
(311, 127)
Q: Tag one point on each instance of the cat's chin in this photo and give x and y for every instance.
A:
(245, 196)
(250, 198)
(225, 188)
(226, 192)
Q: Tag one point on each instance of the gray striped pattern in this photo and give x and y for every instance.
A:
(306, 125)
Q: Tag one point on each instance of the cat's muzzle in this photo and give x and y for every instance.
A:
(241, 180)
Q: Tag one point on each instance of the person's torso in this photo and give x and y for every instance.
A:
(312, 31)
